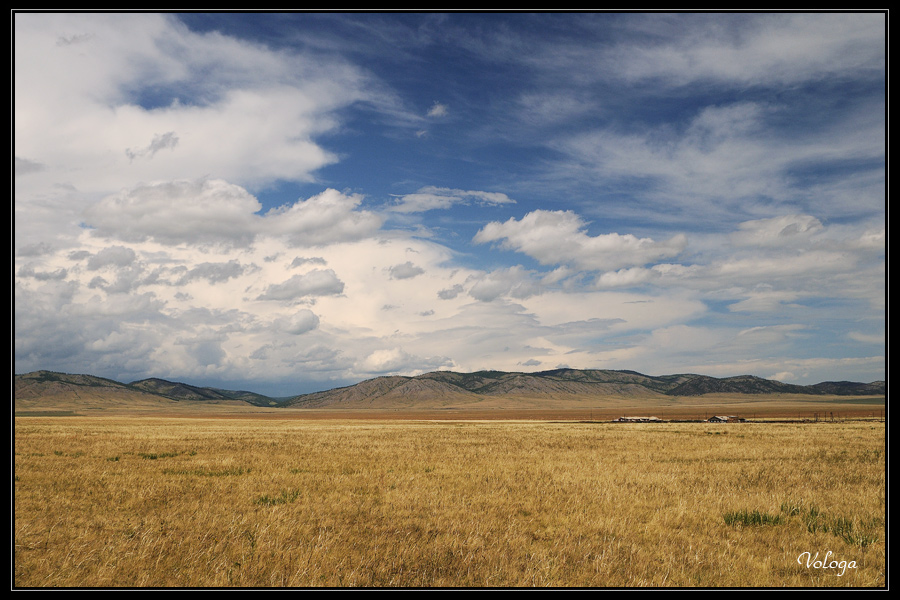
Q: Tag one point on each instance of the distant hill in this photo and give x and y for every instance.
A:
(444, 387)
(183, 391)
(40, 389)
(559, 387)
(47, 389)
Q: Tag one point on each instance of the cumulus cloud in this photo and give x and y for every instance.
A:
(514, 282)
(317, 282)
(559, 237)
(36, 249)
(118, 256)
(405, 271)
(765, 300)
(212, 211)
(450, 293)
(177, 212)
(771, 264)
(302, 260)
(397, 360)
(300, 322)
(139, 82)
(328, 217)
(778, 231)
(29, 271)
(386, 360)
(214, 272)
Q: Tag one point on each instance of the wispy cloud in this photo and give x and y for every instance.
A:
(435, 198)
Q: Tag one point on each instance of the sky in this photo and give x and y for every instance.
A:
(286, 203)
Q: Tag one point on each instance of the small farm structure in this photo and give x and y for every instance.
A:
(725, 419)
(638, 420)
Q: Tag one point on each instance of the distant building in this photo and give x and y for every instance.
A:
(725, 419)
(638, 420)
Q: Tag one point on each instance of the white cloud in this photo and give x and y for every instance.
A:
(104, 101)
(405, 271)
(438, 110)
(434, 198)
(783, 376)
(733, 161)
(29, 271)
(176, 212)
(771, 333)
(160, 142)
(559, 237)
(328, 217)
(214, 272)
(451, 292)
(218, 212)
(514, 282)
(812, 370)
(223, 99)
(755, 49)
(771, 264)
(302, 321)
(112, 256)
(625, 277)
(765, 300)
(778, 231)
(387, 360)
(867, 338)
(317, 282)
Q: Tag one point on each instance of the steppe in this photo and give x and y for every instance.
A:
(317, 499)
(118, 486)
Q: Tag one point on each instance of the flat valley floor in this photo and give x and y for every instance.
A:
(565, 500)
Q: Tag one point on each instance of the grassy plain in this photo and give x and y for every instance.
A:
(240, 501)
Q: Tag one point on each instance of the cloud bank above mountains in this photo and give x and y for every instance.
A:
(288, 202)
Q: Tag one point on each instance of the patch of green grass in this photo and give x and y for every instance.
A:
(154, 455)
(839, 526)
(200, 472)
(791, 508)
(73, 455)
(157, 455)
(746, 517)
(284, 497)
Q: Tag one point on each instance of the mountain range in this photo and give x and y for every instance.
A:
(429, 390)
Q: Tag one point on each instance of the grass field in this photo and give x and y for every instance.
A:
(191, 502)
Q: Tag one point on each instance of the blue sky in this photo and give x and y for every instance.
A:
(290, 202)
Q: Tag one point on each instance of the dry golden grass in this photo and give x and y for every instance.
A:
(135, 502)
